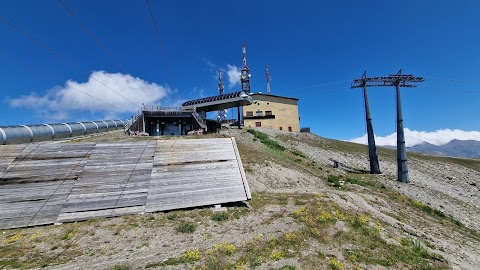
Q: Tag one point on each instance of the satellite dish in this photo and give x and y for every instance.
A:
(249, 75)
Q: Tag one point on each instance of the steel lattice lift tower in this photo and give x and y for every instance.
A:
(398, 80)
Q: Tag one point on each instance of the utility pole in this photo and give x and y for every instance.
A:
(372, 148)
(398, 80)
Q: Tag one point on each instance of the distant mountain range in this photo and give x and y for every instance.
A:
(455, 148)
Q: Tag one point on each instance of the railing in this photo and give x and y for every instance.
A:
(130, 122)
(202, 122)
(159, 108)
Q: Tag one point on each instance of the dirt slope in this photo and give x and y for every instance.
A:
(304, 214)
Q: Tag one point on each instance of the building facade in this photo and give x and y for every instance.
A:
(273, 112)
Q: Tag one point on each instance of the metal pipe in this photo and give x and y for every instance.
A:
(96, 126)
(106, 124)
(45, 132)
(238, 115)
(402, 165)
(372, 148)
(84, 128)
(53, 131)
(69, 128)
(30, 131)
(4, 137)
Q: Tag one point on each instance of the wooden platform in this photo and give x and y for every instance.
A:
(45, 183)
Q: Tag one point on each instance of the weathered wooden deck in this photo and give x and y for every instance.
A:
(45, 183)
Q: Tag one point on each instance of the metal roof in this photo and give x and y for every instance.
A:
(219, 102)
(210, 99)
(270, 95)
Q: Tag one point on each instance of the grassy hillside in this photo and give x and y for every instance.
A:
(304, 214)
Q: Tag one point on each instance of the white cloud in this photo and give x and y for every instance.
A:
(413, 137)
(59, 102)
(233, 73)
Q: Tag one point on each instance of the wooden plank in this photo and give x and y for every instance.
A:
(78, 216)
(35, 186)
(189, 173)
(105, 178)
(62, 182)
(242, 171)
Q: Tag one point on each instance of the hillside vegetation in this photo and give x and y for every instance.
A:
(304, 214)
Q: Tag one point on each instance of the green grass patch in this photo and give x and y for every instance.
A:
(259, 200)
(341, 182)
(174, 215)
(189, 256)
(119, 267)
(287, 267)
(222, 216)
(23, 255)
(154, 265)
(297, 153)
(335, 181)
(185, 227)
(359, 182)
(252, 155)
(263, 138)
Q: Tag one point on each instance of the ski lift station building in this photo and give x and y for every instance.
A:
(272, 112)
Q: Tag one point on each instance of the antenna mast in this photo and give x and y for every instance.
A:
(221, 87)
(245, 73)
(221, 114)
(267, 74)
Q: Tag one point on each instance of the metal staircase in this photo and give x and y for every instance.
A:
(202, 122)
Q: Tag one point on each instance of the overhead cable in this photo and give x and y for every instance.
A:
(107, 52)
(61, 57)
(162, 49)
(50, 77)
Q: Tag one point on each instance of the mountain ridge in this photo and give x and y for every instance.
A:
(454, 148)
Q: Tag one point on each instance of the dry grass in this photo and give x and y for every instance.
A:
(310, 231)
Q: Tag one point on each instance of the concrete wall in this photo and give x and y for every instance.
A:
(285, 111)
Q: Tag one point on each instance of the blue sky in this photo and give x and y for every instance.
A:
(313, 48)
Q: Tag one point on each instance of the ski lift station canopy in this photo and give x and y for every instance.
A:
(220, 102)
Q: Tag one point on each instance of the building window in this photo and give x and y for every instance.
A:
(281, 128)
(249, 113)
(268, 112)
(259, 113)
(258, 124)
(290, 129)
